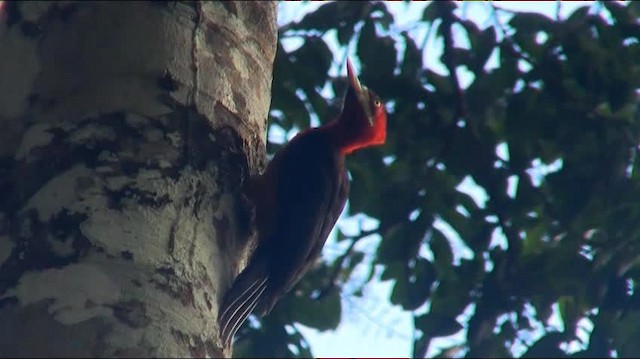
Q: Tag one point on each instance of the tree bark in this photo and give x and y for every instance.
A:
(126, 131)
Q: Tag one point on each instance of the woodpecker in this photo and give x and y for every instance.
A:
(297, 202)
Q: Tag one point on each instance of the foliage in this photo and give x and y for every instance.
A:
(561, 239)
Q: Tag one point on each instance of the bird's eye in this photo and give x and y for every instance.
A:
(377, 103)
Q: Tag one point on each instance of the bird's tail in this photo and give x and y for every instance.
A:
(241, 299)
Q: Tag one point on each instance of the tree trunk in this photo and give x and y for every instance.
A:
(126, 130)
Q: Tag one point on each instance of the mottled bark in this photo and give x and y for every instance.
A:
(126, 130)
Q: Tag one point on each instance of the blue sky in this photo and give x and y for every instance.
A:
(370, 326)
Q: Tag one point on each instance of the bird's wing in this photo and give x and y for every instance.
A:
(311, 195)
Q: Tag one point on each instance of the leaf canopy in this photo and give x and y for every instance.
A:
(546, 125)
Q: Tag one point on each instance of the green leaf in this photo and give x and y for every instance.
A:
(322, 314)
(377, 54)
(436, 325)
(441, 249)
(345, 34)
(437, 9)
(578, 16)
(312, 61)
(292, 107)
(400, 243)
(320, 105)
(412, 59)
(392, 271)
(421, 279)
(413, 288)
(570, 311)
(442, 83)
(483, 45)
(531, 22)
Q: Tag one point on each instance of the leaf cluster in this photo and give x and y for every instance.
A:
(546, 126)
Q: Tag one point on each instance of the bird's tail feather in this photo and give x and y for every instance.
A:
(242, 312)
(241, 299)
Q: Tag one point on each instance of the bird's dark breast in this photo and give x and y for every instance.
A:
(312, 190)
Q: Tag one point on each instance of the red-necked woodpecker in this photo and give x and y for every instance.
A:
(298, 200)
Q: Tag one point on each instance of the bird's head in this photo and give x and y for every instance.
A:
(363, 115)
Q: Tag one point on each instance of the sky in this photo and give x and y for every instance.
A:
(371, 326)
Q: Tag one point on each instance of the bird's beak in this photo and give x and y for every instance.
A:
(362, 93)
